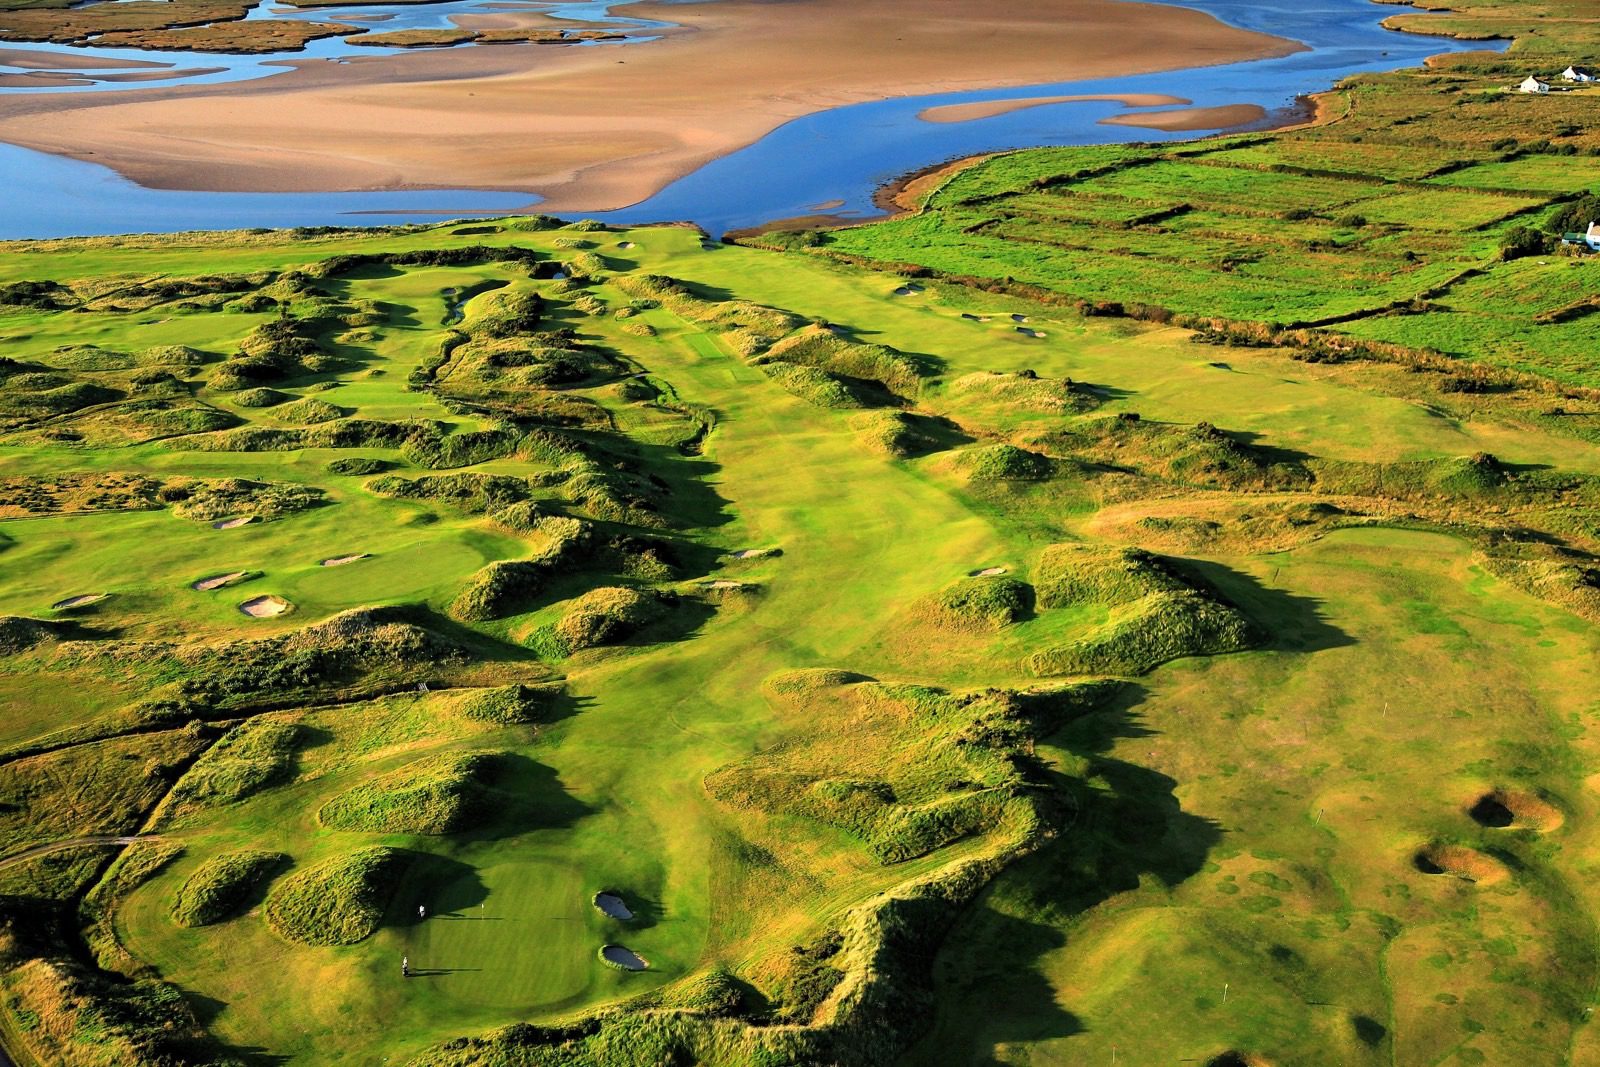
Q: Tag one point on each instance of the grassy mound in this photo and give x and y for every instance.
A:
(339, 901)
(261, 397)
(309, 411)
(977, 605)
(1152, 612)
(1024, 391)
(247, 759)
(814, 386)
(221, 885)
(228, 497)
(904, 769)
(901, 435)
(600, 617)
(997, 463)
(510, 705)
(19, 633)
(435, 795)
(885, 368)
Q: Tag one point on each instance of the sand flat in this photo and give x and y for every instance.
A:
(990, 108)
(1190, 119)
(598, 128)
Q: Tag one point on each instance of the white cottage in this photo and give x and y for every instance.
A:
(1578, 74)
(1534, 85)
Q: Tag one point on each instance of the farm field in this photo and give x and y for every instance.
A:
(832, 622)
(1419, 218)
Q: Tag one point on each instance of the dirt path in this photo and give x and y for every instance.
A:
(72, 842)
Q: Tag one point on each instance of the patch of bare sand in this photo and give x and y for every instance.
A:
(38, 59)
(990, 108)
(596, 128)
(265, 607)
(1190, 119)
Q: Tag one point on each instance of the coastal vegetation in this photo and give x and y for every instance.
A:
(938, 641)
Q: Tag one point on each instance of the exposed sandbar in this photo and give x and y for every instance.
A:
(1191, 118)
(597, 128)
(990, 108)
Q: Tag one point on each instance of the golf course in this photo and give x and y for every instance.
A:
(1137, 605)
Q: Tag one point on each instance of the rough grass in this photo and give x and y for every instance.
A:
(222, 885)
(981, 604)
(433, 795)
(339, 901)
(249, 758)
(1154, 613)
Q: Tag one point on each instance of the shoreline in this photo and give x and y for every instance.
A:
(588, 130)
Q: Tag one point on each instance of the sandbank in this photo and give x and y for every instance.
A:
(990, 108)
(601, 128)
(1191, 118)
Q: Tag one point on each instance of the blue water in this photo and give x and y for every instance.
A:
(842, 155)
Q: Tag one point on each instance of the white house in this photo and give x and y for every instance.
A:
(1578, 74)
(1589, 240)
(1534, 85)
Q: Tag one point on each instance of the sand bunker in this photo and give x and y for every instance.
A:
(1029, 331)
(217, 581)
(1232, 1058)
(990, 108)
(908, 290)
(265, 607)
(723, 584)
(1019, 318)
(233, 524)
(623, 958)
(624, 244)
(1506, 809)
(613, 906)
(756, 553)
(340, 561)
(1464, 863)
(83, 600)
(970, 317)
(987, 572)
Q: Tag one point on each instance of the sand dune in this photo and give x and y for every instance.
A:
(604, 127)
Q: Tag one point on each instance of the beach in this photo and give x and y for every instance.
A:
(604, 127)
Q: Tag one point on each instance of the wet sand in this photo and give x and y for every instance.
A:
(990, 108)
(1191, 119)
(600, 128)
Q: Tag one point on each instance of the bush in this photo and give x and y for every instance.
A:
(221, 885)
(339, 901)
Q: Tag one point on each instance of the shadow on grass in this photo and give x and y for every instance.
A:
(1124, 828)
(1292, 623)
